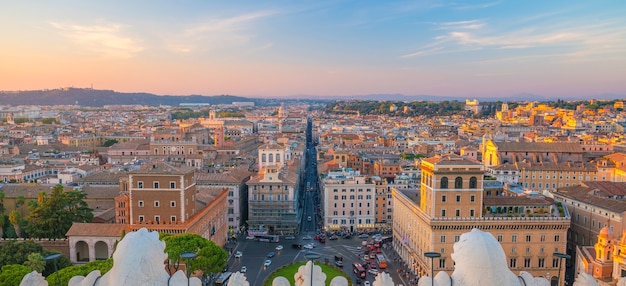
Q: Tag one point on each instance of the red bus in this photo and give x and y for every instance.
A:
(382, 262)
(359, 270)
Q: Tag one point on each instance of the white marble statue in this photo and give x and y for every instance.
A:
(339, 281)
(383, 279)
(34, 278)
(280, 281)
(584, 279)
(479, 260)
(137, 261)
(239, 279)
(303, 276)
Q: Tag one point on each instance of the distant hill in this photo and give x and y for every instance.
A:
(98, 98)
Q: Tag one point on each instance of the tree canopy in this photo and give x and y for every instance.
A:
(109, 142)
(53, 216)
(210, 257)
(11, 275)
(17, 252)
(67, 273)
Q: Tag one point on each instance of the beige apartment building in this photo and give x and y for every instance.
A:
(348, 200)
(451, 202)
(593, 205)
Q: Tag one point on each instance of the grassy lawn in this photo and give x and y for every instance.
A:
(289, 270)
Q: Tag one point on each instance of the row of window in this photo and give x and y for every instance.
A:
(351, 213)
(593, 222)
(156, 185)
(271, 158)
(270, 197)
(458, 198)
(156, 204)
(271, 187)
(499, 237)
(541, 262)
(458, 183)
(547, 185)
(352, 190)
(458, 213)
(345, 221)
(359, 197)
(157, 219)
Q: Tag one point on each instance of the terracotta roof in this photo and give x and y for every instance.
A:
(560, 147)
(451, 159)
(160, 167)
(97, 229)
(597, 194)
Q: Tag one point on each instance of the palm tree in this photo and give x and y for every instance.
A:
(19, 203)
(15, 218)
(2, 223)
(36, 262)
(2, 209)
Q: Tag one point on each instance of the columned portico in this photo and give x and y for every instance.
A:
(89, 242)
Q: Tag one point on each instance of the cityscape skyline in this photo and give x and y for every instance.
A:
(277, 49)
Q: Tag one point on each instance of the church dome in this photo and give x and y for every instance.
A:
(605, 232)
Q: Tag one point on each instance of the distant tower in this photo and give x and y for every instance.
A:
(505, 107)
(10, 119)
(218, 138)
(603, 264)
(281, 111)
(212, 115)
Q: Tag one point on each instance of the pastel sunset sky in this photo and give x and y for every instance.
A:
(284, 48)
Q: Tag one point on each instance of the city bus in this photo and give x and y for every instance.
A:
(267, 238)
(358, 269)
(223, 278)
(382, 262)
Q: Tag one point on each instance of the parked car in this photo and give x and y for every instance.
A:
(306, 237)
(249, 237)
(290, 237)
(279, 247)
(373, 271)
(339, 263)
(267, 263)
(308, 246)
(244, 269)
(238, 254)
(270, 255)
(363, 235)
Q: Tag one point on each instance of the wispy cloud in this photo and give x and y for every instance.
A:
(572, 38)
(219, 32)
(461, 25)
(105, 39)
(472, 6)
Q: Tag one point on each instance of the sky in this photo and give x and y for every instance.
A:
(483, 49)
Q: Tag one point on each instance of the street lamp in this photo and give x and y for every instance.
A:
(53, 257)
(432, 256)
(560, 256)
(187, 256)
(311, 256)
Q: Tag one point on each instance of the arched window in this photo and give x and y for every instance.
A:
(263, 158)
(444, 183)
(277, 157)
(458, 183)
(473, 183)
(271, 158)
